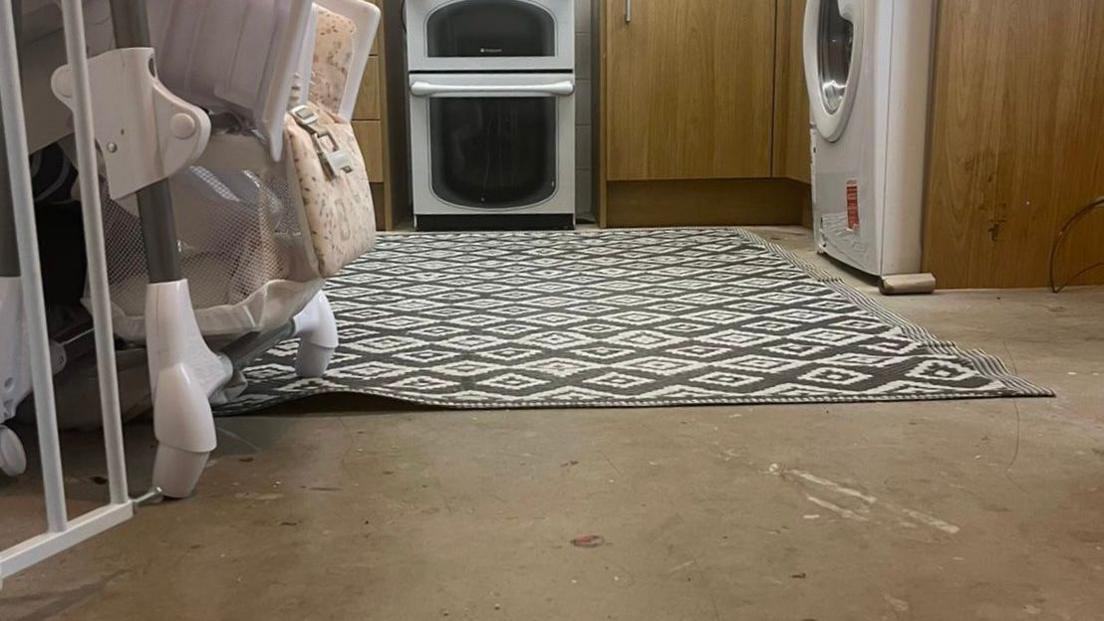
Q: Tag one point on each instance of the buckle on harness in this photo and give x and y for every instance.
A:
(334, 159)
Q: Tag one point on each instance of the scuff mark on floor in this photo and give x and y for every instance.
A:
(836, 487)
(897, 604)
(838, 510)
(678, 568)
(928, 520)
(869, 501)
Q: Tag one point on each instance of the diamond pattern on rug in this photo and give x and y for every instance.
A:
(616, 318)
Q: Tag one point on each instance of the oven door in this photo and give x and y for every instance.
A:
(490, 35)
(492, 143)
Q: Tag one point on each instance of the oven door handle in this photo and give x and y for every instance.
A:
(429, 89)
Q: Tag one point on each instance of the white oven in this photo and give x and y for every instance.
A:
(492, 113)
(490, 35)
(494, 144)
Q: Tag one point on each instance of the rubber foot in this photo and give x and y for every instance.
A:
(312, 360)
(177, 471)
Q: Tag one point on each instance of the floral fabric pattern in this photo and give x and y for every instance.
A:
(333, 52)
(339, 210)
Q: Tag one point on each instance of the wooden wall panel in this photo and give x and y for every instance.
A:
(791, 103)
(1017, 141)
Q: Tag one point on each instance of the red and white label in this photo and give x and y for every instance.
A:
(852, 205)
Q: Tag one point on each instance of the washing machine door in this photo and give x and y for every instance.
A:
(833, 52)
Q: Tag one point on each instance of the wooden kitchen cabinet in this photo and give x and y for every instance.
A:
(379, 121)
(702, 114)
(689, 88)
(791, 140)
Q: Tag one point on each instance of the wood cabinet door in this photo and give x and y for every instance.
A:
(688, 88)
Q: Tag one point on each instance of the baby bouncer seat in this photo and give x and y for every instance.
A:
(252, 249)
(233, 188)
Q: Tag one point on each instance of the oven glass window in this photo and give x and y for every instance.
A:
(493, 152)
(473, 28)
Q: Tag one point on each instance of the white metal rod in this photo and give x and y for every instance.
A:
(35, 550)
(92, 213)
(34, 305)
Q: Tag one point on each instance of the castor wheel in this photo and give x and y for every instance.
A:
(13, 459)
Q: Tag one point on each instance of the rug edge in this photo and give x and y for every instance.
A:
(987, 363)
(633, 404)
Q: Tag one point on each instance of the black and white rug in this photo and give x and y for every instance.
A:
(616, 319)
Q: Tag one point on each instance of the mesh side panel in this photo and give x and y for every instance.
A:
(238, 230)
(126, 259)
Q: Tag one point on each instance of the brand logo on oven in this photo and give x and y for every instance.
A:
(490, 50)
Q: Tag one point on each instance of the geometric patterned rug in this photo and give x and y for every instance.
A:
(617, 318)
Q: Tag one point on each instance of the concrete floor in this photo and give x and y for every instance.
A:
(353, 509)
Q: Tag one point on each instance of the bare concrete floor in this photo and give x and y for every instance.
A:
(352, 509)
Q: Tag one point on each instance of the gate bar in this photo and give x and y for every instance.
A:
(92, 214)
(62, 533)
(34, 304)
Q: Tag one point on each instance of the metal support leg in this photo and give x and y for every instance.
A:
(130, 22)
(155, 207)
(184, 372)
(155, 210)
(9, 251)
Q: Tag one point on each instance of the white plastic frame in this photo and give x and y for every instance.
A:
(275, 105)
(149, 133)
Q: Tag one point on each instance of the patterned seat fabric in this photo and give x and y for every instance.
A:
(338, 208)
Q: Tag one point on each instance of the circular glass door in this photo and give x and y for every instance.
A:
(836, 38)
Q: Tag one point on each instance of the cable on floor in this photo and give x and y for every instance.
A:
(1061, 237)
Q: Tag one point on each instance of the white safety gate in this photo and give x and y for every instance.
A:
(61, 532)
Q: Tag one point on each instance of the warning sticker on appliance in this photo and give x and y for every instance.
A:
(852, 205)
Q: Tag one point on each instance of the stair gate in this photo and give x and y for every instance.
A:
(61, 532)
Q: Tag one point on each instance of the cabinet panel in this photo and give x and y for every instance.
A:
(706, 202)
(369, 135)
(368, 99)
(791, 101)
(689, 88)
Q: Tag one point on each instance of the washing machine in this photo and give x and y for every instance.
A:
(867, 68)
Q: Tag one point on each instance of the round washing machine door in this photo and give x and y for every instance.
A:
(833, 52)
